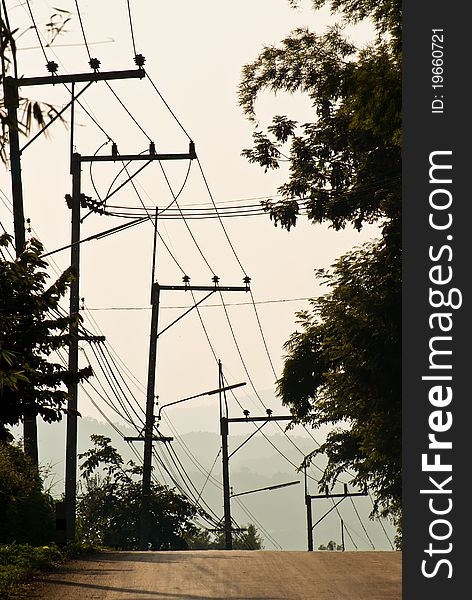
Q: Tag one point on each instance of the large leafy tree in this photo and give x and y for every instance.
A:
(32, 380)
(108, 507)
(342, 366)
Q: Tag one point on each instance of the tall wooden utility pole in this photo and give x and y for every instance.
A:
(11, 98)
(224, 431)
(309, 498)
(72, 405)
(227, 524)
(149, 423)
(150, 396)
(75, 203)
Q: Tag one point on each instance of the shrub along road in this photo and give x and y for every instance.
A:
(222, 575)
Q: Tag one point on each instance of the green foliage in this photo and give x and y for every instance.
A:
(386, 15)
(343, 368)
(31, 382)
(20, 562)
(27, 513)
(246, 540)
(345, 164)
(109, 504)
(330, 546)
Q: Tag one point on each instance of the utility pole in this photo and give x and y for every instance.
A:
(72, 404)
(225, 457)
(309, 515)
(309, 498)
(11, 99)
(75, 201)
(224, 432)
(152, 361)
(149, 424)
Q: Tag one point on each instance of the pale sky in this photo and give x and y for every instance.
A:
(194, 54)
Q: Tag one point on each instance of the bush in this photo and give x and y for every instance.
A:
(27, 511)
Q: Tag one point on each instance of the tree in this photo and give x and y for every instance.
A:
(345, 166)
(27, 511)
(330, 546)
(31, 332)
(108, 508)
(342, 367)
(245, 540)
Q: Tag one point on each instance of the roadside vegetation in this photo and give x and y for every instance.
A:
(20, 563)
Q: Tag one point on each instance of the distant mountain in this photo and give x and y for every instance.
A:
(280, 515)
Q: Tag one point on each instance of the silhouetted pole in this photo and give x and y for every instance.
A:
(309, 516)
(149, 424)
(225, 459)
(342, 535)
(326, 495)
(72, 404)
(10, 87)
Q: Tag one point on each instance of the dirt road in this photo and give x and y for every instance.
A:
(223, 575)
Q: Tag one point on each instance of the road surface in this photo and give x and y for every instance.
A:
(222, 575)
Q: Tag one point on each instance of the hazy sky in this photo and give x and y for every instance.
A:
(194, 54)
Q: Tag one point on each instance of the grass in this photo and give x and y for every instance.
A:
(20, 562)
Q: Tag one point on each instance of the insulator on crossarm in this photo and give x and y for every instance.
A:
(269, 412)
(186, 280)
(247, 281)
(191, 149)
(215, 279)
(94, 64)
(52, 67)
(246, 413)
(114, 149)
(152, 148)
(139, 60)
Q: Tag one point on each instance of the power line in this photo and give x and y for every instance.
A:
(275, 301)
(128, 112)
(36, 29)
(131, 27)
(83, 30)
(361, 522)
(167, 106)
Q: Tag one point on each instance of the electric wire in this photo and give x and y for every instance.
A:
(209, 474)
(167, 105)
(36, 30)
(82, 29)
(181, 307)
(379, 519)
(112, 372)
(221, 222)
(129, 113)
(12, 44)
(185, 221)
(361, 522)
(131, 28)
(171, 254)
(256, 313)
